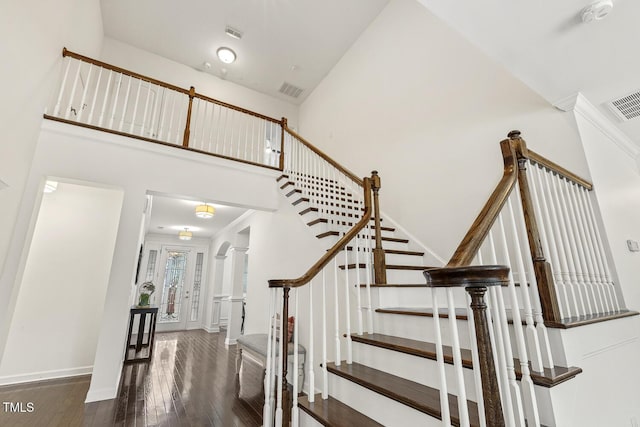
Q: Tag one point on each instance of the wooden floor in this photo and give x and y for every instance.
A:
(190, 382)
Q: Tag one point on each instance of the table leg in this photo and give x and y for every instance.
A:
(143, 317)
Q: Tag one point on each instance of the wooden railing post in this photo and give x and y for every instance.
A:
(187, 126)
(284, 356)
(476, 280)
(283, 125)
(490, 389)
(379, 262)
(544, 275)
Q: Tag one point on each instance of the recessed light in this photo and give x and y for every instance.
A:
(226, 55)
(597, 11)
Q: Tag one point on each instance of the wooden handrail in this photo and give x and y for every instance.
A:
(83, 58)
(331, 253)
(328, 159)
(554, 167)
(472, 241)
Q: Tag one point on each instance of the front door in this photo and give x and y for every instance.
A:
(180, 276)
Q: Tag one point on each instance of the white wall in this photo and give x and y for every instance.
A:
(136, 167)
(146, 63)
(416, 101)
(59, 306)
(33, 34)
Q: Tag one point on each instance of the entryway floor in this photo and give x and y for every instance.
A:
(191, 381)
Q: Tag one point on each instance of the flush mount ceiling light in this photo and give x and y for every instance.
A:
(226, 55)
(185, 234)
(597, 11)
(50, 186)
(205, 211)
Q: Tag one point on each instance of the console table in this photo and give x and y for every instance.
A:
(140, 343)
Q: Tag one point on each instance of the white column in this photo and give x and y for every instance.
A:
(238, 256)
(212, 321)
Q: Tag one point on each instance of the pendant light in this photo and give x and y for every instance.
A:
(185, 235)
(205, 211)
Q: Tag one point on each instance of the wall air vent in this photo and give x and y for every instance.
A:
(233, 32)
(627, 107)
(290, 90)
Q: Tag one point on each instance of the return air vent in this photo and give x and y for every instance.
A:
(627, 107)
(290, 90)
(233, 32)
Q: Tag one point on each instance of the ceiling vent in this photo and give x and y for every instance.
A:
(627, 107)
(290, 90)
(233, 32)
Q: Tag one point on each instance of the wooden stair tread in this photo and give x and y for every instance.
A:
(461, 313)
(350, 224)
(418, 396)
(333, 413)
(389, 267)
(395, 285)
(395, 251)
(549, 377)
(573, 322)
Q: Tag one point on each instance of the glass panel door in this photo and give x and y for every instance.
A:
(172, 304)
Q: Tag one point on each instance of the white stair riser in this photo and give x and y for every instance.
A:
(421, 370)
(419, 328)
(398, 246)
(380, 408)
(307, 420)
(396, 276)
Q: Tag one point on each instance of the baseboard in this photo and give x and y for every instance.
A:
(46, 375)
(228, 342)
(212, 329)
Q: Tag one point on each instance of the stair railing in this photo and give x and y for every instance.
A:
(323, 281)
(105, 97)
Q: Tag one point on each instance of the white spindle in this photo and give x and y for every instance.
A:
(95, 96)
(325, 373)
(63, 85)
(347, 305)
(358, 285)
(444, 394)
(463, 410)
(294, 408)
(336, 310)
(368, 261)
(146, 110)
(268, 408)
(125, 106)
(135, 106)
(283, 324)
(115, 102)
(83, 99)
(67, 113)
(310, 366)
(106, 98)
(155, 119)
(534, 344)
(173, 109)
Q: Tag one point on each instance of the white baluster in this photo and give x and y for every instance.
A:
(125, 105)
(153, 127)
(368, 261)
(325, 374)
(268, 408)
(336, 310)
(463, 410)
(84, 94)
(444, 394)
(115, 102)
(146, 109)
(283, 324)
(309, 361)
(106, 98)
(503, 357)
(528, 392)
(534, 344)
(135, 106)
(67, 113)
(174, 95)
(56, 108)
(95, 96)
(548, 237)
(358, 286)
(347, 308)
(294, 408)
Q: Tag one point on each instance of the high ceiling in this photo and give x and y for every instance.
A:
(293, 41)
(545, 44)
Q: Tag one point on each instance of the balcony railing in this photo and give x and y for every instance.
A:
(101, 96)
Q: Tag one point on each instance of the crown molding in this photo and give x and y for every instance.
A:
(579, 104)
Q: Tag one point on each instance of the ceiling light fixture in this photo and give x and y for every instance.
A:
(205, 211)
(185, 234)
(226, 55)
(597, 11)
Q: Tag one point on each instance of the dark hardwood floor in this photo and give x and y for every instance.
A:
(191, 381)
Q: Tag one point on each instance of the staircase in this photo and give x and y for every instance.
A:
(393, 377)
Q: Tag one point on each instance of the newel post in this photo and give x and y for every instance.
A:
(187, 126)
(379, 262)
(283, 126)
(476, 280)
(284, 356)
(544, 275)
